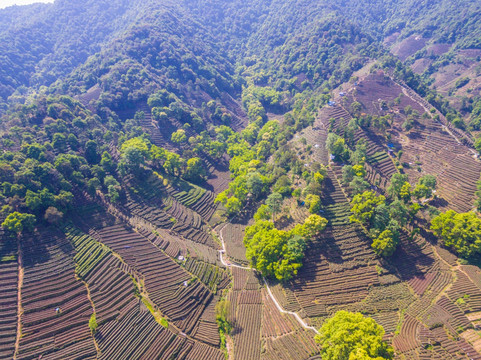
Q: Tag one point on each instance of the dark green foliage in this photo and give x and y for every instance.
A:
(395, 188)
(337, 147)
(274, 202)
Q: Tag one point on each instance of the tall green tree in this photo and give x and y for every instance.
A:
(274, 202)
(363, 206)
(461, 232)
(348, 336)
(195, 170)
(395, 188)
(18, 222)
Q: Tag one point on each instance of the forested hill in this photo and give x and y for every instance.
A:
(244, 179)
(44, 42)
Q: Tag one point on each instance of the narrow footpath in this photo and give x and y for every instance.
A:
(271, 295)
(19, 298)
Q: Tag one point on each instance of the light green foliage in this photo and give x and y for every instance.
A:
(18, 222)
(385, 244)
(318, 177)
(459, 231)
(372, 211)
(354, 177)
(360, 154)
(106, 162)
(110, 180)
(250, 133)
(425, 187)
(405, 192)
(135, 151)
(59, 142)
(173, 163)
(39, 201)
(164, 322)
(349, 336)
(477, 143)
(313, 226)
(363, 206)
(283, 186)
(222, 316)
(233, 205)
(262, 213)
(138, 143)
(113, 193)
(275, 253)
(429, 181)
(399, 212)
(195, 170)
(93, 323)
(359, 170)
(179, 137)
(256, 183)
(313, 202)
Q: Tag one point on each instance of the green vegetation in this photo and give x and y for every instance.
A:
(93, 323)
(425, 187)
(337, 147)
(383, 220)
(222, 315)
(276, 253)
(18, 222)
(363, 206)
(461, 232)
(348, 336)
(164, 322)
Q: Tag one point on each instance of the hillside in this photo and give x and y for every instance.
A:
(225, 179)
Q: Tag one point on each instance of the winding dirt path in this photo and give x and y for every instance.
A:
(271, 295)
(19, 299)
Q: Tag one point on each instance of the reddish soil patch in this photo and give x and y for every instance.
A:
(408, 47)
(377, 87)
(421, 65)
(92, 94)
(470, 52)
(438, 49)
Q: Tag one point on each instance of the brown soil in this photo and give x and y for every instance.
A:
(409, 46)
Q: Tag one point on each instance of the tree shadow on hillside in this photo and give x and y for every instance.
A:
(214, 176)
(34, 250)
(409, 259)
(236, 330)
(324, 249)
(439, 203)
(415, 136)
